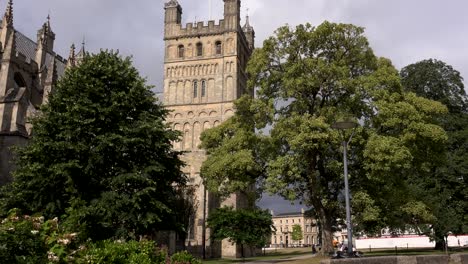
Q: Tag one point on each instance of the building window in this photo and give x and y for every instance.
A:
(195, 89)
(218, 47)
(199, 49)
(181, 51)
(203, 88)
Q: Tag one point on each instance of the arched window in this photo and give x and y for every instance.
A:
(218, 47)
(181, 51)
(199, 49)
(195, 89)
(203, 88)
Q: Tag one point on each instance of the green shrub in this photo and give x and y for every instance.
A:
(20, 240)
(184, 257)
(26, 239)
(116, 252)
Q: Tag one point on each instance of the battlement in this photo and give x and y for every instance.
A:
(196, 29)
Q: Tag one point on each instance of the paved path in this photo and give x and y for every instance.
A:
(273, 261)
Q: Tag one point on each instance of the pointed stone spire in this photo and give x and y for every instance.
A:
(81, 54)
(247, 27)
(7, 26)
(71, 58)
(249, 32)
(8, 17)
(47, 24)
(45, 36)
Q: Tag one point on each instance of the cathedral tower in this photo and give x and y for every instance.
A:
(204, 72)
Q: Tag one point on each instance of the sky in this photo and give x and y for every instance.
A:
(405, 31)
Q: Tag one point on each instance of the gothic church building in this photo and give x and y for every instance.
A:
(28, 72)
(204, 72)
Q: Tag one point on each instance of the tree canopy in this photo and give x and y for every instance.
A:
(101, 154)
(438, 81)
(251, 227)
(444, 186)
(305, 79)
(296, 234)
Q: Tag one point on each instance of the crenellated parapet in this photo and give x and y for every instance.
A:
(175, 30)
(198, 29)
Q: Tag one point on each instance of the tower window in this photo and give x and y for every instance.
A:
(203, 88)
(199, 49)
(218, 47)
(181, 51)
(195, 89)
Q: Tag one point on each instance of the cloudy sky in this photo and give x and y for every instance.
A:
(405, 31)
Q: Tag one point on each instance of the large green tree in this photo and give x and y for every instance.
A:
(101, 154)
(305, 79)
(245, 227)
(296, 233)
(445, 186)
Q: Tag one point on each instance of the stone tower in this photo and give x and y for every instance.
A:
(28, 72)
(204, 72)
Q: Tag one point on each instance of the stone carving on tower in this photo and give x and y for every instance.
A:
(28, 73)
(204, 72)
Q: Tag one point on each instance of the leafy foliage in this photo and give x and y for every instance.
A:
(438, 81)
(444, 186)
(305, 79)
(30, 239)
(184, 257)
(296, 234)
(20, 240)
(101, 154)
(252, 227)
(132, 252)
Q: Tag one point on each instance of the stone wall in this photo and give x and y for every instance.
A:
(427, 259)
(6, 155)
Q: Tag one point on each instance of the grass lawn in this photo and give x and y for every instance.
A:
(285, 254)
(312, 260)
(270, 254)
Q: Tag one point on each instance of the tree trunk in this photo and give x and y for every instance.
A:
(440, 245)
(327, 236)
(439, 239)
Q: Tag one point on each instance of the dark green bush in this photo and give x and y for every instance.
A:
(20, 240)
(184, 257)
(116, 252)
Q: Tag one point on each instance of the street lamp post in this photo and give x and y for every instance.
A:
(343, 126)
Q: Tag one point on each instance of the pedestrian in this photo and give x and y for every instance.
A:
(314, 250)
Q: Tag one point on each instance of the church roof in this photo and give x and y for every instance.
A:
(289, 214)
(27, 47)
